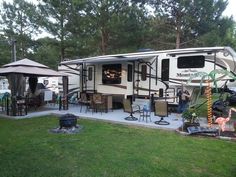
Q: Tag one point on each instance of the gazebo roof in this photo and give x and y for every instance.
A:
(25, 62)
(28, 68)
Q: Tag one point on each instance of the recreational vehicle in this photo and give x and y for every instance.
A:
(73, 73)
(152, 74)
(4, 85)
(50, 82)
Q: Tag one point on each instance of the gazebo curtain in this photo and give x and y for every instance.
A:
(17, 83)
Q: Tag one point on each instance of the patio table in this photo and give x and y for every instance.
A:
(146, 113)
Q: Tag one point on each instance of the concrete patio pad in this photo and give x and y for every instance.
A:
(115, 116)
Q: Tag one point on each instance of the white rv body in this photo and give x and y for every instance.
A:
(4, 85)
(158, 74)
(73, 73)
(50, 82)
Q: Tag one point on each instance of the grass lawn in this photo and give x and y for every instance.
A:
(27, 149)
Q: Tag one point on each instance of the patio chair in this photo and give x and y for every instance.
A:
(73, 99)
(83, 101)
(98, 102)
(130, 109)
(35, 101)
(21, 106)
(161, 110)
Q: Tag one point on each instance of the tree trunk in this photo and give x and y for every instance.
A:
(177, 45)
(104, 41)
(62, 36)
(178, 32)
(62, 50)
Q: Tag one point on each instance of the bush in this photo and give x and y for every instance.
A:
(190, 115)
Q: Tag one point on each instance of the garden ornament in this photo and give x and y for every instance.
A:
(222, 121)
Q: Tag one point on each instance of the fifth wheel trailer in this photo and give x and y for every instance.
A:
(144, 74)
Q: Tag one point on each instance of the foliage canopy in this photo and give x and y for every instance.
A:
(81, 28)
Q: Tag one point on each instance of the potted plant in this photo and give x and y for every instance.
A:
(190, 118)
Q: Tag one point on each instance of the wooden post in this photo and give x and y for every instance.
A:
(65, 92)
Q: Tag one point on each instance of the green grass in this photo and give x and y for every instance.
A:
(27, 149)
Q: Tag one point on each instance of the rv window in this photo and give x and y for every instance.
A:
(111, 74)
(143, 72)
(165, 65)
(90, 73)
(191, 62)
(130, 73)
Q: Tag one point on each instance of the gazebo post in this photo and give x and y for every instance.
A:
(65, 92)
(7, 105)
(13, 105)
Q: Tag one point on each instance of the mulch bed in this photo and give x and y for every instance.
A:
(227, 135)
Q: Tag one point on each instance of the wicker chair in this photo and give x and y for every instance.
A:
(98, 103)
(161, 110)
(83, 101)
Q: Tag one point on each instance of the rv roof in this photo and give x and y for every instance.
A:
(143, 55)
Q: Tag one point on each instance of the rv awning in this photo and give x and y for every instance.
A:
(28, 68)
(144, 55)
(102, 59)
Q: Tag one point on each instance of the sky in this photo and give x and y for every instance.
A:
(230, 10)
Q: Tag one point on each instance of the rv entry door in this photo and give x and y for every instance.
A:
(89, 78)
(130, 79)
(142, 85)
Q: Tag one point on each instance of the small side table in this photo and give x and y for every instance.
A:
(145, 114)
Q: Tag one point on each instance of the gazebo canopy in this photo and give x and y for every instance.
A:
(16, 73)
(28, 68)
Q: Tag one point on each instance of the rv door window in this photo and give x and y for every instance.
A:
(165, 69)
(191, 62)
(90, 73)
(143, 72)
(111, 74)
(130, 73)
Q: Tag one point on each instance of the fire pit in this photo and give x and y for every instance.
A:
(67, 124)
(67, 121)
